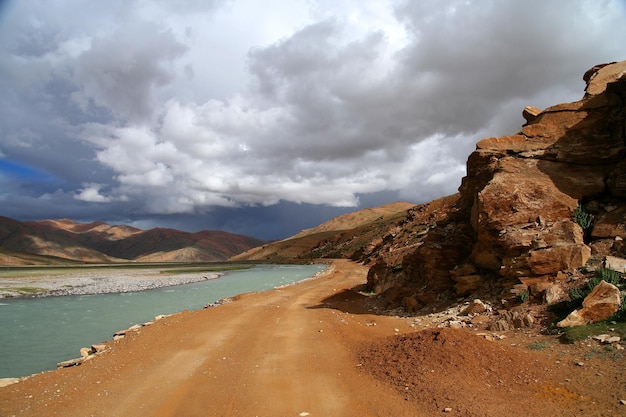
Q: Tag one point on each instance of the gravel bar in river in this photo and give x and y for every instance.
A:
(94, 282)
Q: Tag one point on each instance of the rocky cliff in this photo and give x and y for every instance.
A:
(517, 223)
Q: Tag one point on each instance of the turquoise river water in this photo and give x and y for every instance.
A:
(36, 333)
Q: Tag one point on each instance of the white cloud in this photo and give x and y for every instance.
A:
(175, 107)
(91, 193)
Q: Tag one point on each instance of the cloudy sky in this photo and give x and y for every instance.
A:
(264, 118)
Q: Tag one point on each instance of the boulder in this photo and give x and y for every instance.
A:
(599, 76)
(522, 189)
(610, 224)
(70, 362)
(133, 328)
(84, 352)
(97, 348)
(607, 338)
(475, 307)
(410, 304)
(564, 257)
(530, 113)
(512, 320)
(466, 284)
(554, 294)
(615, 263)
(5, 382)
(604, 301)
(466, 278)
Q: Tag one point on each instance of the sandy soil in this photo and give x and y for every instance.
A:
(314, 349)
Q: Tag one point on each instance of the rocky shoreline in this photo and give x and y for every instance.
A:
(95, 282)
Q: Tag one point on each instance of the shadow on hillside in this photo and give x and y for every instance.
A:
(351, 301)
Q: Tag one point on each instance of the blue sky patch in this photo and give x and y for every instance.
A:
(22, 172)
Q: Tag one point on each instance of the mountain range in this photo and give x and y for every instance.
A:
(66, 241)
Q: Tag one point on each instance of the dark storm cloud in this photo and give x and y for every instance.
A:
(240, 113)
(124, 70)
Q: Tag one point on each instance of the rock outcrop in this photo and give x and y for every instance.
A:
(513, 223)
(599, 305)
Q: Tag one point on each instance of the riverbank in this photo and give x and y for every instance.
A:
(36, 333)
(316, 349)
(96, 281)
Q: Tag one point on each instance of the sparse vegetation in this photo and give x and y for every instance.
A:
(576, 333)
(27, 290)
(577, 295)
(620, 316)
(538, 345)
(584, 219)
(523, 296)
(610, 276)
(606, 353)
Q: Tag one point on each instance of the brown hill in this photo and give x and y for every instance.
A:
(106, 231)
(45, 240)
(63, 241)
(345, 236)
(355, 219)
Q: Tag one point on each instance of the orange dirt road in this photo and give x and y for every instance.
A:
(285, 352)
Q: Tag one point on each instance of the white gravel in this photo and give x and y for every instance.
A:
(94, 282)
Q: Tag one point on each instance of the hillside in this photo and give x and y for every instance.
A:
(345, 236)
(49, 242)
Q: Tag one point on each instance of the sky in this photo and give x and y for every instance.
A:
(265, 118)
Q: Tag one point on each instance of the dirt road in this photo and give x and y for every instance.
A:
(279, 353)
(313, 349)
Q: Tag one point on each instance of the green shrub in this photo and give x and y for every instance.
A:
(591, 284)
(584, 219)
(577, 294)
(620, 316)
(538, 345)
(523, 296)
(610, 276)
(576, 333)
(606, 274)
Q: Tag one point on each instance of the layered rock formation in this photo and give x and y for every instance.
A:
(513, 223)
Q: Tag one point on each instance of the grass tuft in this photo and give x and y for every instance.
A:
(538, 345)
(577, 333)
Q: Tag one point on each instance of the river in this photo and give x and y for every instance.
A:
(37, 333)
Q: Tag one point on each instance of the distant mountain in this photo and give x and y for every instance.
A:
(66, 241)
(346, 236)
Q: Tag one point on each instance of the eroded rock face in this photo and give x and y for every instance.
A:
(514, 217)
(522, 201)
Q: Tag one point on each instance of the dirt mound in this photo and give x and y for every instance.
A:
(466, 375)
